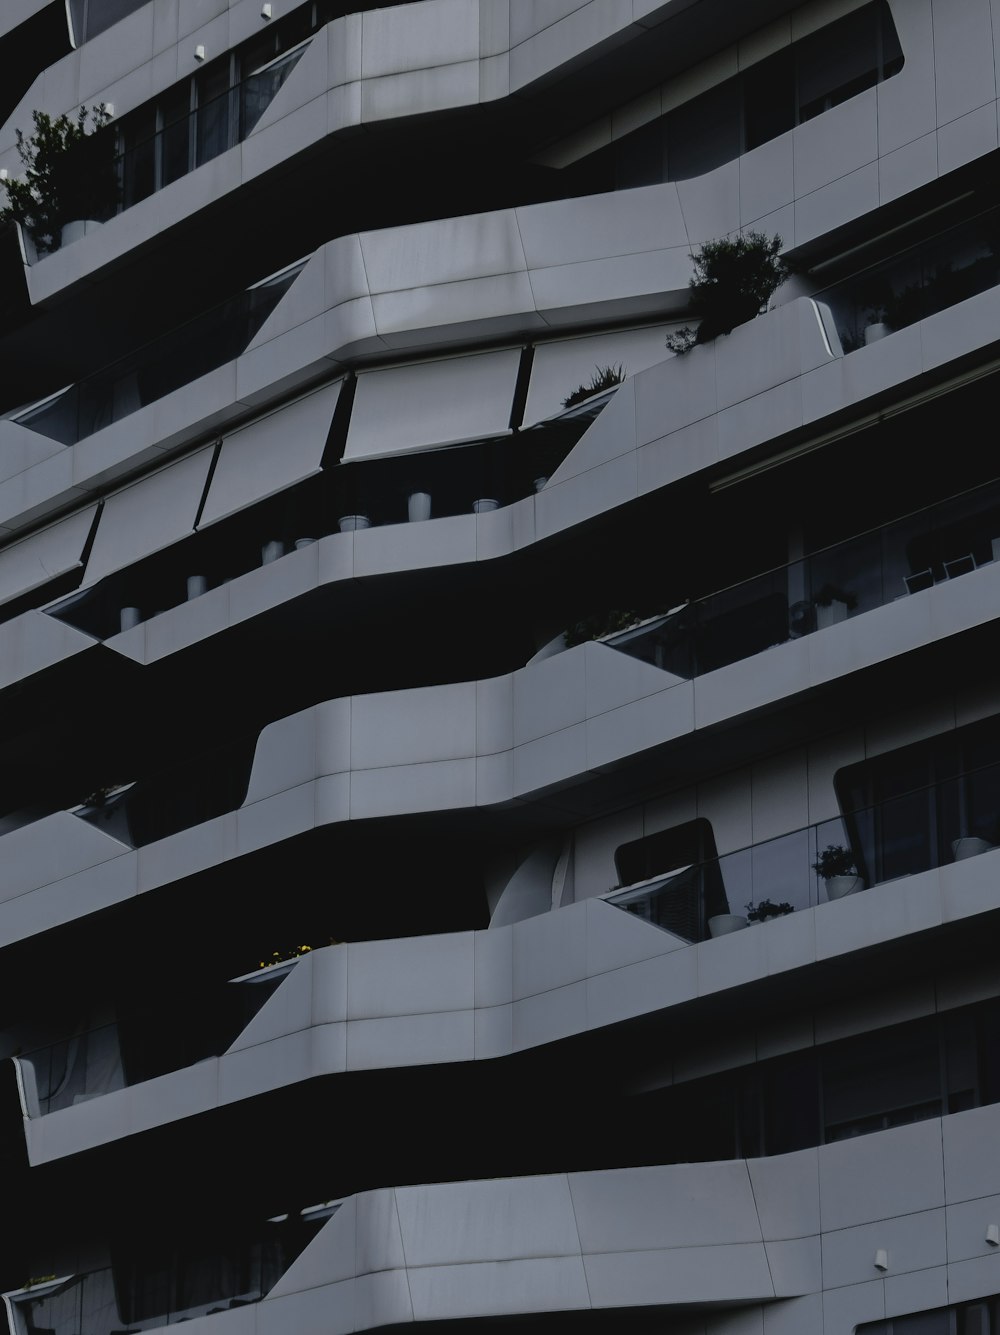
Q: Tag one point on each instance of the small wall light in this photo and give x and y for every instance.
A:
(265, 11)
(881, 1259)
(199, 52)
(993, 1235)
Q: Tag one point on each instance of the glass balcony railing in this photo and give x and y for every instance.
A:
(901, 558)
(910, 832)
(142, 1045)
(169, 1285)
(166, 364)
(950, 267)
(188, 141)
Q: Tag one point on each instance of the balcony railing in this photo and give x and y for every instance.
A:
(202, 134)
(138, 1295)
(456, 480)
(166, 364)
(140, 1046)
(892, 562)
(928, 277)
(911, 832)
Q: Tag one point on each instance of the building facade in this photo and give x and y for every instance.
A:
(498, 817)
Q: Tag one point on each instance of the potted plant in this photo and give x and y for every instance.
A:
(836, 866)
(418, 506)
(767, 908)
(69, 178)
(721, 924)
(971, 845)
(604, 377)
(734, 279)
(832, 604)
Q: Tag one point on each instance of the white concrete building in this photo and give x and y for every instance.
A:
(466, 857)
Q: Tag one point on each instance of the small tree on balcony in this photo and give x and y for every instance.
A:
(69, 174)
(734, 279)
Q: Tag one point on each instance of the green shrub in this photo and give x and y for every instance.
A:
(604, 377)
(69, 175)
(734, 278)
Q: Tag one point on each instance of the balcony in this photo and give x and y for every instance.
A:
(914, 831)
(141, 1045)
(163, 1286)
(166, 364)
(436, 483)
(920, 281)
(894, 561)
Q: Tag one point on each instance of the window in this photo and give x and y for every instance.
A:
(194, 121)
(907, 810)
(682, 902)
(90, 17)
(792, 86)
(981, 1317)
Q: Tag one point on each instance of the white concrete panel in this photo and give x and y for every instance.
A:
(841, 201)
(913, 1241)
(616, 939)
(287, 1010)
(153, 513)
(767, 180)
(549, 1016)
(963, 57)
(411, 976)
(970, 1163)
(650, 985)
(729, 1272)
(711, 203)
(549, 951)
(906, 102)
(405, 789)
(501, 1219)
(549, 695)
(411, 727)
(558, 368)
(880, 1177)
(549, 1284)
(285, 756)
(410, 1040)
(432, 403)
(49, 850)
(908, 167)
(34, 641)
(625, 222)
(786, 1192)
(683, 1205)
(271, 454)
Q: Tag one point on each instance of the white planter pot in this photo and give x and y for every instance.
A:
(349, 523)
(839, 886)
(271, 551)
(129, 617)
(831, 614)
(539, 483)
(77, 230)
(970, 846)
(301, 543)
(724, 923)
(876, 331)
(485, 504)
(418, 507)
(196, 586)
